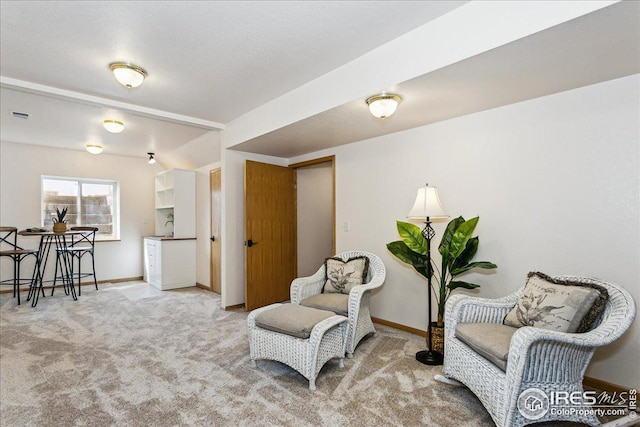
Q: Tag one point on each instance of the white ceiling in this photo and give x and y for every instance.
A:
(208, 60)
(597, 47)
(211, 62)
(65, 124)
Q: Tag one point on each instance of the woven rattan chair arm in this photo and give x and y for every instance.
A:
(304, 287)
(358, 290)
(535, 350)
(528, 335)
(464, 308)
(320, 328)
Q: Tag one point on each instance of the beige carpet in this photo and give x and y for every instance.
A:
(129, 355)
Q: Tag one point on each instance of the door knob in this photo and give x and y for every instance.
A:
(213, 238)
(250, 243)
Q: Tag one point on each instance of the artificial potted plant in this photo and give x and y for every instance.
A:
(457, 249)
(60, 221)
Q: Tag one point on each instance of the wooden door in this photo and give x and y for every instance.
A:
(270, 233)
(216, 213)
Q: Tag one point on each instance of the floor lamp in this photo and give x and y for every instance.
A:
(428, 207)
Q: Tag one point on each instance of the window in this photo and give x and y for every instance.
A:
(89, 202)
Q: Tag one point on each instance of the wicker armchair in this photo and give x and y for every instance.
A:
(537, 358)
(360, 323)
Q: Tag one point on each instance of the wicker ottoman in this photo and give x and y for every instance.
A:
(301, 337)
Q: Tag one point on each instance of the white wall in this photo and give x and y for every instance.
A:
(202, 151)
(555, 180)
(20, 171)
(203, 224)
(315, 216)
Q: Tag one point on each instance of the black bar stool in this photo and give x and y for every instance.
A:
(9, 248)
(81, 245)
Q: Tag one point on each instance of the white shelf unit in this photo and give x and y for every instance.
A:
(175, 193)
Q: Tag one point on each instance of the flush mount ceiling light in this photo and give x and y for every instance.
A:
(383, 105)
(152, 159)
(113, 126)
(128, 75)
(94, 148)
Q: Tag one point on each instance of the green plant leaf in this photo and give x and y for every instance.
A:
(448, 235)
(412, 236)
(467, 255)
(478, 264)
(60, 215)
(461, 237)
(460, 284)
(406, 255)
(423, 271)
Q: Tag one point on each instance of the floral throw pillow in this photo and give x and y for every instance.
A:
(558, 305)
(341, 275)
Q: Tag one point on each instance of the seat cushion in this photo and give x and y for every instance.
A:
(292, 319)
(341, 275)
(337, 303)
(80, 248)
(558, 305)
(76, 249)
(490, 340)
(13, 252)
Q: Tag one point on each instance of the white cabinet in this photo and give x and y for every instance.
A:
(170, 263)
(170, 255)
(152, 270)
(175, 194)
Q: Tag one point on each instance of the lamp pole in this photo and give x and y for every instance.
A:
(429, 356)
(427, 206)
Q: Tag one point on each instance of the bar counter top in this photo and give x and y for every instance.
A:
(163, 238)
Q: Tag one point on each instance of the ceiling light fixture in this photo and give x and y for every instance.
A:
(152, 160)
(113, 126)
(383, 105)
(128, 75)
(94, 148)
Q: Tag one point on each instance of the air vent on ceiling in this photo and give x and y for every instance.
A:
(20, 115)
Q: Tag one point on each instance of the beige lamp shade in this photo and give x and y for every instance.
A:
(427, 205)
